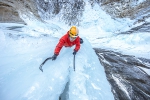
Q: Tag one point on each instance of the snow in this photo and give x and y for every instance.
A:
(140, 1)
(24, 47)
(102, 32)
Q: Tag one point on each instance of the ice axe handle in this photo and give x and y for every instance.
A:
(74, 62)
(44, 63)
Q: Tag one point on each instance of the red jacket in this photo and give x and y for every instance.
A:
(65, 41)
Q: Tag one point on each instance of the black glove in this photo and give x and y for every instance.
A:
(74, 53)
(54, 57)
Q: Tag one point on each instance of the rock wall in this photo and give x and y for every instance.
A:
(8, 14)
(18, 10)
(12, 10)
(125, 74)
(125, 8)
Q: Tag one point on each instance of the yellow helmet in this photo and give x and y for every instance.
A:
(73, 31)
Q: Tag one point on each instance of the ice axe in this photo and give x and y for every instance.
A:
(74, 62)
(44, 63)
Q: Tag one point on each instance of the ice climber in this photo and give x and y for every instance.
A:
(70, 39)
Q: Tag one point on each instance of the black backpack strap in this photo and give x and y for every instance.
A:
(81, 40)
